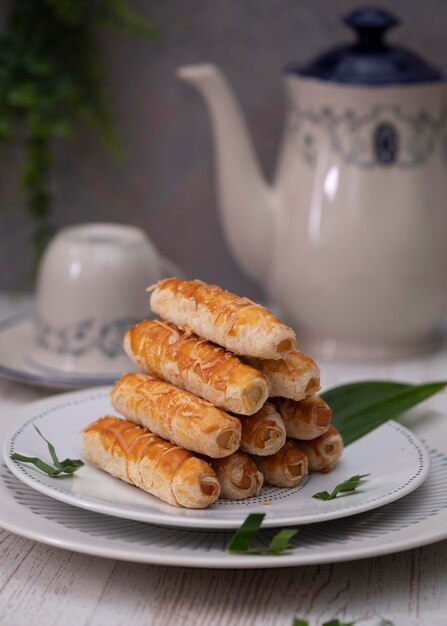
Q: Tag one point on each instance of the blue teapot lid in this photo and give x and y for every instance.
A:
(369, 60)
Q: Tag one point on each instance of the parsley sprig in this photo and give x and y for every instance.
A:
(350, 484)
(243, 538)
(66, 467)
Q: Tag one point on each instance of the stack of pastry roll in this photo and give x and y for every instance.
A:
(224, 402)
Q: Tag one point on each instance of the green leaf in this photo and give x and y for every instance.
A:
(245, 534)
(361, 407)
(281, 541)
(6, 129)
(51, 449)
(34, 460)
(336, 622)
(23, 95)
(333, 622)
(52, 83)
(350, 484)
(242, 538)
(67, 466)
(118, 14)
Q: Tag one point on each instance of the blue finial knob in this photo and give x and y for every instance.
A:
(369, 60)
(371, 25)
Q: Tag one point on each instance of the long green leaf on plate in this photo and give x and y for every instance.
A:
(361, 407)
(281, 541)
(241, 540)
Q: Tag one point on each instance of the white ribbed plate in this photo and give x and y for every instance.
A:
(418, 519)
(395, 459)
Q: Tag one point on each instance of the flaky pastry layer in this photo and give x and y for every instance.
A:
(286, 468)
(295, 377)
(197, 365)
(238, 476)
(137, 456)
(263, 433)
(324, 451)
(176, 415)
(237, 324)
(306, 419)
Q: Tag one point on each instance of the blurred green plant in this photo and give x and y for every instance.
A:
(51, 82)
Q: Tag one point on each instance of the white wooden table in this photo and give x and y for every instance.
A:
(50, 586)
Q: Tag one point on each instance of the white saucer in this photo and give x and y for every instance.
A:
(396, 461)
(15, 339)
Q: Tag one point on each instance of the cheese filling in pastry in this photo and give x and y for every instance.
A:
(238, 476)
(135, 455)
(295, 377)
(197, 365)
(176, 415)
(237, 324)
(263, 433)
(324, 451)
(286, 468)
(306, 419)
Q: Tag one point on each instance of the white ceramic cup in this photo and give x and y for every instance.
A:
(91, 287)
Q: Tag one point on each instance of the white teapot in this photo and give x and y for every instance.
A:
(350, 239)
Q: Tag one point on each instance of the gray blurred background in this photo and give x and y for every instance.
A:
(166, 183)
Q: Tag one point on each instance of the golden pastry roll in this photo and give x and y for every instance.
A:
(295, 377)
(137, 456)
(263, 433)
(197, 365)
(238, 476)
(176, 415)
(324, 451)
(286, 468)
(237, 324)
(306, 419)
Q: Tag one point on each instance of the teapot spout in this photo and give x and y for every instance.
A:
(246, 200)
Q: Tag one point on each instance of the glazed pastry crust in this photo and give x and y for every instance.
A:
(295, 377)
(176, 415)
(286, 468)
(306, 419)
(197, 365)
(238, 476)
(237, 324)
(139, 457)
(264, 432)
(324, 451)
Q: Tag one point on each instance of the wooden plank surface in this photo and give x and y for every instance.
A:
(45, 585)
(64, 587)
